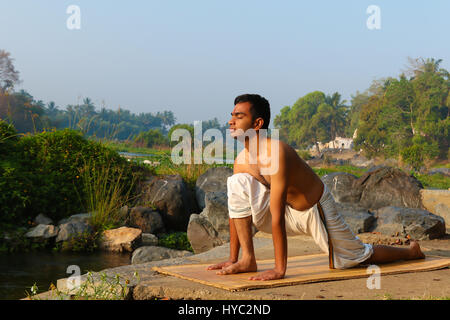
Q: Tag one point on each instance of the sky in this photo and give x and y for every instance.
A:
(194, 57)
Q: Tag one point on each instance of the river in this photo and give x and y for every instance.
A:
(19, 271)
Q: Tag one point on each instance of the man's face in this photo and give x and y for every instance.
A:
(241, 118)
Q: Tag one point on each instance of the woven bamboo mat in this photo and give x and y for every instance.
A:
(301, 269)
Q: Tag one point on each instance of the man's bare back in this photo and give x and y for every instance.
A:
(304, 187)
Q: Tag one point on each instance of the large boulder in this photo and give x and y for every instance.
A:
(43, 231)
(170, 195)
(216, 211)
(72, 229)
(340, 185)
(154, 253)
(387, 186)
(419, 224)
(201, 234)
(437, 202)
(146, 219)
(212, 180)
(122, 239)
(358, 218)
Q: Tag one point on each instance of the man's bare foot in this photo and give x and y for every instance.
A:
(268, 275)
(221, 265)
(416, 253)
(239, 267)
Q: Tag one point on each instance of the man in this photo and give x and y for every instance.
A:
(289, 200)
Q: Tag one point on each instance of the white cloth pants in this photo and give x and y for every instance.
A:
(249, 197)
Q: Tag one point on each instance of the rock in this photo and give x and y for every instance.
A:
(443, 211)
(80, 217)
(45, 231)
(154, 253)
(340, 185)
(170, 195)
(417, 223)
(123, 239)
(385, 186)
(201, 234)
(361, 161)
(213, 180)
(149, 239)
(358, 218)
(216, 211)
(437, 202)
(71, 229)
(42, 219)
(146, 219)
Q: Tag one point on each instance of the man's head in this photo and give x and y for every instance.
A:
(251, 111)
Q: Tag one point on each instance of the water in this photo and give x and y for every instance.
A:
(131, 154)
(19, 271)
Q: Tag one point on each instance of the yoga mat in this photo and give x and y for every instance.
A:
(300, 269)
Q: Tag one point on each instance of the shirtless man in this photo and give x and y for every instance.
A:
(293, 189)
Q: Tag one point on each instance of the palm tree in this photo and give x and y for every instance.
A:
(339, 114)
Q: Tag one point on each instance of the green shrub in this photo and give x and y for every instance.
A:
(42, 175)
(176, 240)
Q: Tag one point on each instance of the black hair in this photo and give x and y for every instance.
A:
(260, 107)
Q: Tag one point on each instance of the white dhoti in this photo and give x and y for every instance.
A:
(249, 197)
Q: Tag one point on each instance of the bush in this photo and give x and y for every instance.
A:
(41, 175)
(177, 240)
(151, 138)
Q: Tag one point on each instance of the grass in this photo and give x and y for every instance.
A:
(104, 288)
(106, 194)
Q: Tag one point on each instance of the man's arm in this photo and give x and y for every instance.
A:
(278, 193)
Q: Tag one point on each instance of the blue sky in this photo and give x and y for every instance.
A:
(194, 57)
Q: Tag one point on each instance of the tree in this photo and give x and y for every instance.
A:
(9, 76)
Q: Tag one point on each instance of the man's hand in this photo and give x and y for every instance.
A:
(268, 275)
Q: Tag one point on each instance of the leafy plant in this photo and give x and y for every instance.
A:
(176, 240)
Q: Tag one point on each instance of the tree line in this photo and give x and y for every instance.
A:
(405, 117)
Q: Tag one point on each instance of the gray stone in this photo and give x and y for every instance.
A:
(213, 180)
(45, 231)
(80, 217)
(72, 229)
(216, 211)
(201, 234)
(149, 239)
(358, 218)
(361, 161)
(417, 223)
(340, 185)
(170, 195)
(385, 186)
(146, 219)
(42, 219)
(154, 253)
